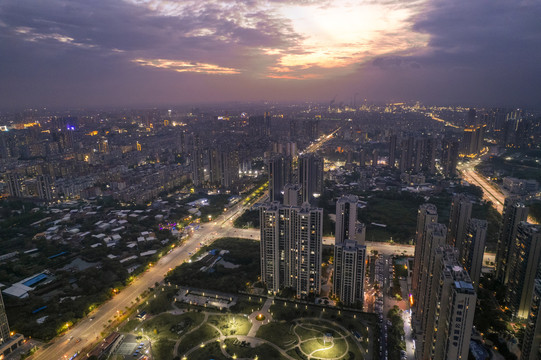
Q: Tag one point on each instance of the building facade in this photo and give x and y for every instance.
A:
(532, 334)
(523, 268)
(514, 212)
(461, 208)
(346, 218)
(291, 245)
(349, 272)
(473, 248)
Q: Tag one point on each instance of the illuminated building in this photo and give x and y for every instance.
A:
(449, 158)
(433, 238)
(224, 167)
(349, 272)
(532, 334)
(461, 208)
(426, 215)
(523, 268)
(103, 145)
(310, 177)
(291, 245)
(514, 212)
(4, 325)
(473, 140)
(448, 308)
(473, 248)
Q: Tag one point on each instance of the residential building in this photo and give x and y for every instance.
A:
(310, 177)
(514, 212)
(349, 272)
(461, 208)
(523, 268)
(346, 218)
(449, 307)
(473, 248)
(291, 245)
(532, 335)
(427, 214)
(279, 176)
(4, 326)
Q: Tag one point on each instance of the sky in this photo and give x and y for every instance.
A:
(82, 53)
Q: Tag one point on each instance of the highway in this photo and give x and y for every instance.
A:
(490, 193)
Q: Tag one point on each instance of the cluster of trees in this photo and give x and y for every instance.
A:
(395, 337)
(241, 252)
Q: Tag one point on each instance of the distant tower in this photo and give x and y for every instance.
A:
(279, 176)
(406, 154)
(449, 158)
(532, 335)
(310, 177)
(103, 145)
(292, 195)
(346, 218)
(514, 212)
(473, 248)
(460, 215)
(375, 156)
(472, 117)
(523, 268)
(14, 185)
(349, 272)
(45, 188)
(392, 151)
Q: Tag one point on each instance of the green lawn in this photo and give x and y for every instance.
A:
(172, 326)
(306, 334)
(163, 349)
(290, 312)
(246, 306)
(231, 324)
(204, 333)
(263, 352)
(335, 350)
(278, 333)
(210, 351)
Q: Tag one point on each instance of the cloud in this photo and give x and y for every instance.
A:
(161, 50)
(184, 66)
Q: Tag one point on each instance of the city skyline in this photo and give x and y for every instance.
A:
(130, 53)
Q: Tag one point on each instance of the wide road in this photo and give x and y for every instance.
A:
(89, 329)
(490, 193)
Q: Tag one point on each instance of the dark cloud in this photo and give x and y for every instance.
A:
(482, 51)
